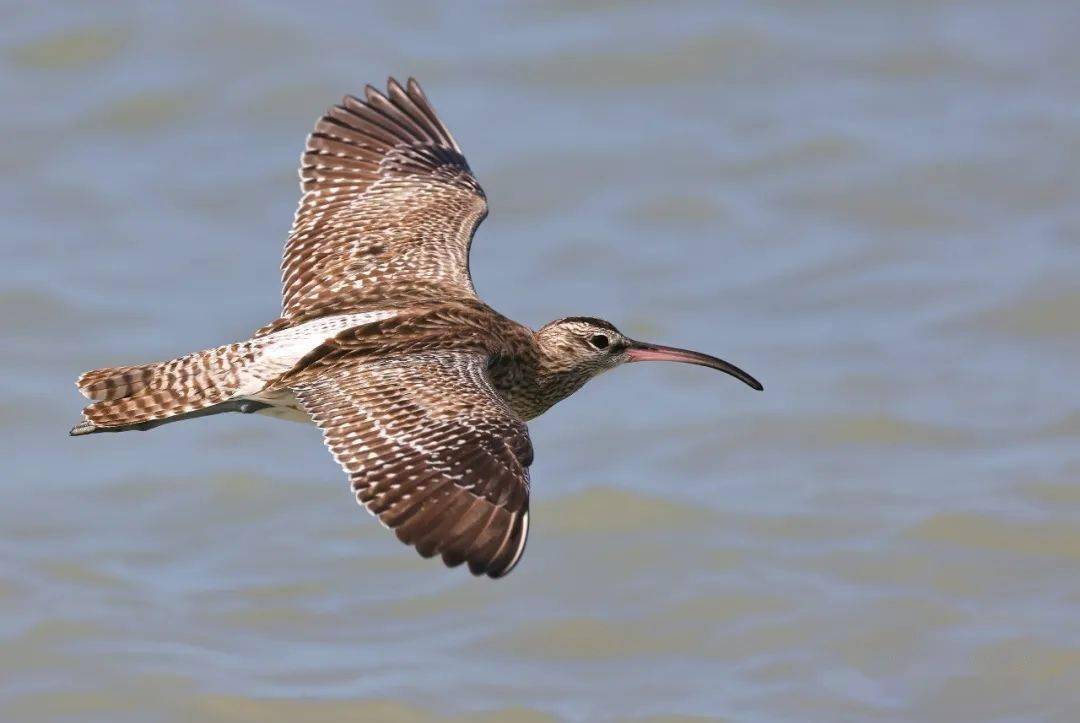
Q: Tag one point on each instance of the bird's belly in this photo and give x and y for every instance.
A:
(282, 405)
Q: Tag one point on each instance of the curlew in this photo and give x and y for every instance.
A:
(421, 390)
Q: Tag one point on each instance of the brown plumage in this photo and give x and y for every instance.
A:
(421, 390)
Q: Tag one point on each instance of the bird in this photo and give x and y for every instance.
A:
(421, 390)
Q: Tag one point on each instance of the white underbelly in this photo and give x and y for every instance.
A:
(283, 405)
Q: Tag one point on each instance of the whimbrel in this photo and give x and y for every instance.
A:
(421, 390)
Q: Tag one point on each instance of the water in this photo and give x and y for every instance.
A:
(872, 209)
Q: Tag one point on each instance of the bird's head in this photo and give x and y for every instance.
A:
(576, 349)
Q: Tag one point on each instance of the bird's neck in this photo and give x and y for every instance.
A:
(534, 381)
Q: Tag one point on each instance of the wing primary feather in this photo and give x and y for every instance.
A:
(351, 115)
(490, 541)
(405, 105)
(422, 102)
(439, 522)
(411, 530)
(386, 105)
(455, 549)
(378, 105)
(512, 548)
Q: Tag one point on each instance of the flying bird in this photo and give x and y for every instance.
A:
(421, 390)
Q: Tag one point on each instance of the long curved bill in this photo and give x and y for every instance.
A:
(643, 351)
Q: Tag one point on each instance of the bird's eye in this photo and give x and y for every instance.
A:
(599, 341)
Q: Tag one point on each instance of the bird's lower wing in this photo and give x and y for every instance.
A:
(431, 450)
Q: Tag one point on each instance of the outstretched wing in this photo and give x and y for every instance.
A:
(388, 211)
(431, 450)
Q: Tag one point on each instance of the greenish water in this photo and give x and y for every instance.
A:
(871, 208)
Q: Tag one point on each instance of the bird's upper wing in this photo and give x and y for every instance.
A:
(388, 211)
(430, 449)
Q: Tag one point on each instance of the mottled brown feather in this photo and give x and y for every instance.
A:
(431, 449)
(388, 212)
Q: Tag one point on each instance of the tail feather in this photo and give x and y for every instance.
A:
(141, 396)
(115, 382)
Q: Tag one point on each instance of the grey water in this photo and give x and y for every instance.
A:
(874, 208)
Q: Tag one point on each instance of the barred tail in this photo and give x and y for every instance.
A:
(146, 395)
(116, 382)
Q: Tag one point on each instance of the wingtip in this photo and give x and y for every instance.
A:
(496, 567)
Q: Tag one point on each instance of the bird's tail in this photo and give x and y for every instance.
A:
(146, 395)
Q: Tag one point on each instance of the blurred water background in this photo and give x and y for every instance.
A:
(872, 207)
